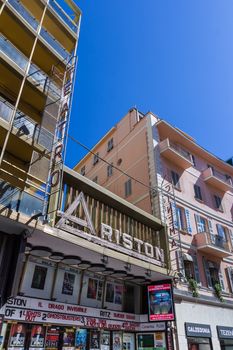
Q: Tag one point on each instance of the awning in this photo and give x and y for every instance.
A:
(187, 257)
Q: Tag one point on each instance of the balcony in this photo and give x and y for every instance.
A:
(175, 153)
(212, 244)
(63, 15)
(36, 76)
(25, 127)
(33, 23)
(20, 201)
(216, 179)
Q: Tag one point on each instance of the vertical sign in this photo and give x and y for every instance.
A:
(58, 153)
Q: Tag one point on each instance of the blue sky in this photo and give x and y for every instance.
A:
(174, 58)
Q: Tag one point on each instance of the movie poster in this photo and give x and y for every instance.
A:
(160, 300)
(128, 341)
(39, 276)
(116, 341)
(94, 340)
(92, 288)
(37, 337)
(68, 339)
(17, 336)
(68, 283)
(109, 293)
(81, 339)
(105, 341)
(52, 338)
(118, 294)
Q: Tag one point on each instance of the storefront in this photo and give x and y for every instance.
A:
(225, 335)
(198, 336)
(35, 324)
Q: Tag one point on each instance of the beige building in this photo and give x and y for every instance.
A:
(162, 170)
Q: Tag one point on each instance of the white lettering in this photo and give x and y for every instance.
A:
(127, 241)
(106, 231)
(139, 243)
(149, 251)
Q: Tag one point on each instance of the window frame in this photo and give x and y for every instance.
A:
(175, 179)
(197, 192)
(110, 170)
(181, 219)
(218, 206)
(96, 158)
(110, 145)
(128, 188)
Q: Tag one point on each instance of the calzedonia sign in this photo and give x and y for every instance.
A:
(198, 330)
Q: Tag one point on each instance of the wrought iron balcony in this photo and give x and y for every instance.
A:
(216, 179)
(212, 244)
(175, 153)
(25, 126)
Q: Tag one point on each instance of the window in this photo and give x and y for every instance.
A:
(96, 158)
(222, 232)
(95, 179)
(175, 179)
(202, 224)
(218, 202)
(189, 269)
(193, 160)
(82, 171)
(128, 188)
(39, 276)
(197, 192)
(110, 145)
(109, 170)
(181, 219)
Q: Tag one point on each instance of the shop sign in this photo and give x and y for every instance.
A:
(160, 302)
(225, 332)
(198, 330)
(109, 237)
(44, 311)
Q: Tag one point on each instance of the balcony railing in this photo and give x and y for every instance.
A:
(24, 13)
(63, 15)
(36, 75)
(15, 55)
(212, 244)
(54, 43)
(217, 179)
(18, 200)
(176, 153)
(44, 33)
(26, 126)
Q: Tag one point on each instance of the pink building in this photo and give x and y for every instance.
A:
(165, 172)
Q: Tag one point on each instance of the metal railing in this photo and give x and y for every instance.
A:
(210, 171)
(54, 43)
(24, 13)
(14, 54)
(207, 238)
(180, 150)
(44, 33)
(63, 15)
(26, 126)
(15, 199)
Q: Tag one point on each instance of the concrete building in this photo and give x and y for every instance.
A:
(69, 278)
(191, 190)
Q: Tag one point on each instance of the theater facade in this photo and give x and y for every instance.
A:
(84, 281)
